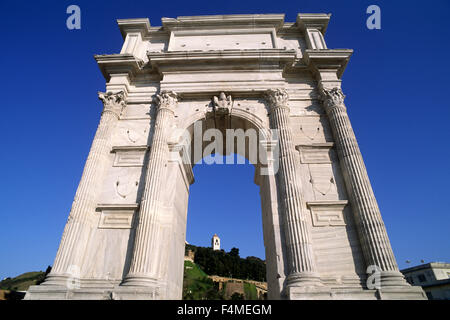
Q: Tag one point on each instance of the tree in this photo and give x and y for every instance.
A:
(234, 252)
(224, 264)
(237, 296)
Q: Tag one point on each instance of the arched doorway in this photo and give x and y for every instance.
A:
(214, 132)
(224, 229)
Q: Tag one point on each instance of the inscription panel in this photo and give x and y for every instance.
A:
(116, 216)
(221, 41)
(129, 156)
(327, 213)
(318, 153)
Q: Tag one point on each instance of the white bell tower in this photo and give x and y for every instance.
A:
(215, 242)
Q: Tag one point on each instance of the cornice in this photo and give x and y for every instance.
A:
(315, 60)
(327, 203)
(325, 145)
(118, 63)
(223, 21)
(129, 148)
(158, 59)
(430, 265)
(142, 26)
(233, 21)
(335, 59)
(289, 28)
(118, 206)
(318, 21)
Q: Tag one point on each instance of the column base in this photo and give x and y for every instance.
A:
(138, 280)
(327, 293)
(393, 279)
(117, 293)
(402, 293)
(52, 292)
(304, 279)
(393, 286)
(47, 292)
(58, 280)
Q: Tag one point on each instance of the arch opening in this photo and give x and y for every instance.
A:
(233, 141)
(224, 201)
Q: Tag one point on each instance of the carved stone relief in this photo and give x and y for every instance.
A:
(115, 216)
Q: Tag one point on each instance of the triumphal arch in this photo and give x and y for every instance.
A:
(323, 232)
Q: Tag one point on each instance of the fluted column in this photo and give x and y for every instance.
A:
(74, 238)
(144, 268)
(302, 268)
(371, 229)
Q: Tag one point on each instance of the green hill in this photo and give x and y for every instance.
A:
(228, 264)
(10, 288)
(23, 281)
(197, 285)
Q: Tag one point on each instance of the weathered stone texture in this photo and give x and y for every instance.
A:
(322, 227)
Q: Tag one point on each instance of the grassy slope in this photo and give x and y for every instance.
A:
(22, 282)
(196, 284)
(250, 291)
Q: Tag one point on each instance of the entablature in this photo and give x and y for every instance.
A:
(225, 42)
(207, 59)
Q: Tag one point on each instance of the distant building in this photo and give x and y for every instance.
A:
(434, 278)
(215, 242)
(189, 256)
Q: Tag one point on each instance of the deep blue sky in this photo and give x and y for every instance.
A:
(397, 85)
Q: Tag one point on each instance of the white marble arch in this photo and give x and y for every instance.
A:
(125, 235)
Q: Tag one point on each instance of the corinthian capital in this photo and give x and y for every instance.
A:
(167, 100)
(114, 102)
(332, 97)
(277, 97)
